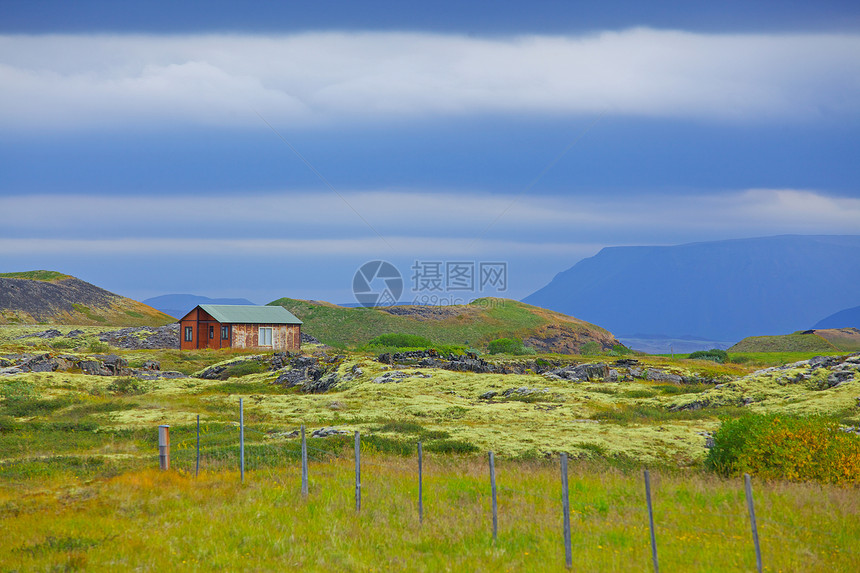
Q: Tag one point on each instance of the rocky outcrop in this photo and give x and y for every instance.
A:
(143, 337)
(94, 365)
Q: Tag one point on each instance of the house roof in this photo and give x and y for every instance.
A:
(247, 314)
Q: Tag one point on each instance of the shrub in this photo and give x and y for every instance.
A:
(451, 447)
(714, 354)
(786, 447)
(127, 386)
(243, 368)
(590, 348)
(400, 340)
(97, 346)
(508, 346)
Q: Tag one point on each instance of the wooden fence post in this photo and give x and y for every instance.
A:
(357, 471)
(197, 462)
(493, 491)
(304, 464)
(164, 447)
(751, 507)
(565, 508)
(242, 440)
(420, 484)
(651, 522)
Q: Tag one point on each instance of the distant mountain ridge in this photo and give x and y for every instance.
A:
(721, 290)
(178, 305)
(842, 319)
(50, 297)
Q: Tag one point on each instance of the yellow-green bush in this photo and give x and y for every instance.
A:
(784, 447)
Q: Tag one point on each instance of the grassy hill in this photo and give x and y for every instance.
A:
(827, 340)
(473, 324)
(50, 297)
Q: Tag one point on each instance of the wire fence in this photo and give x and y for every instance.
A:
(219, 445)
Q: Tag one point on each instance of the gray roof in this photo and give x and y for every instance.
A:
(247, 314)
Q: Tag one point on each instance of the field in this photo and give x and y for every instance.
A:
(79, 488)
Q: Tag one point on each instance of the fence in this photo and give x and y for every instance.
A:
(213, 446)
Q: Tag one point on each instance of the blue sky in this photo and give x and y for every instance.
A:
(143, 146)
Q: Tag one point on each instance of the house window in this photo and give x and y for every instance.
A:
(189, 334)
(211, 332)
(225, 332)
(265, 338)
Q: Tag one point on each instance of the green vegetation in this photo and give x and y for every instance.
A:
(780, 446)
(714, 354)
(87, 312)
(796, 342)
(400, 340)
(474, 324)
(150, 520)
(513, 346)
(46, 276)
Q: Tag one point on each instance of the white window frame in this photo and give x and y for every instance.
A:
(260, 335)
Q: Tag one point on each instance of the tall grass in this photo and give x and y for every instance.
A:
(149, 520)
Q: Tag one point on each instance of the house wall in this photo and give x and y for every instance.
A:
(284, 336)
(202, 326)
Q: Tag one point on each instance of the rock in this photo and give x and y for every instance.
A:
(488, 395)
(50, 333)
(583, 372)
(308, 339)
(151, 365)
(326, 432)
(657, 375)
(143, 337)
(612, 376)
(10, 371)
(637, 372)
(74, 333)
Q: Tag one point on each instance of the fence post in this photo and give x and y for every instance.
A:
(420, 484)
(197, 462)
(164, 447)
(651, 522)
(357, 471)
(242, 439)
(748, 487)
(304, 464)
(493, 491)
(565, 507)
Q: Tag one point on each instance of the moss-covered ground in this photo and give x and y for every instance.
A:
(81, 449)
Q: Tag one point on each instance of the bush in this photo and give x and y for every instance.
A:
(714, 354)
(508, 346)
(590, 348)
(127, 386)
(400, 340)
(243, 368)
(786, 447)
(97, 347)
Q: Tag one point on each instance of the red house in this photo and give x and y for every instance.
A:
(240, 326)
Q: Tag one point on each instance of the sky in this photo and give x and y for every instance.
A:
(266, 149)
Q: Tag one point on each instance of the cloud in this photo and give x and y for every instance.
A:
(445, 222)
(57, 81)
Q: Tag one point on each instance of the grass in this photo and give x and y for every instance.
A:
(477, 324)
(150, 520)
(785, 343)
(46, 276)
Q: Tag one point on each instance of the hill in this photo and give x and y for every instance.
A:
(723, 290)
(824, 340)
(841, 319)
(178, 305)
(54, 298)
(473, 324)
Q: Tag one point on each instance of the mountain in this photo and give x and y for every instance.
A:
(178, 305)
(54, 298)
(721, 290)
(475, 324)
(841, 319)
